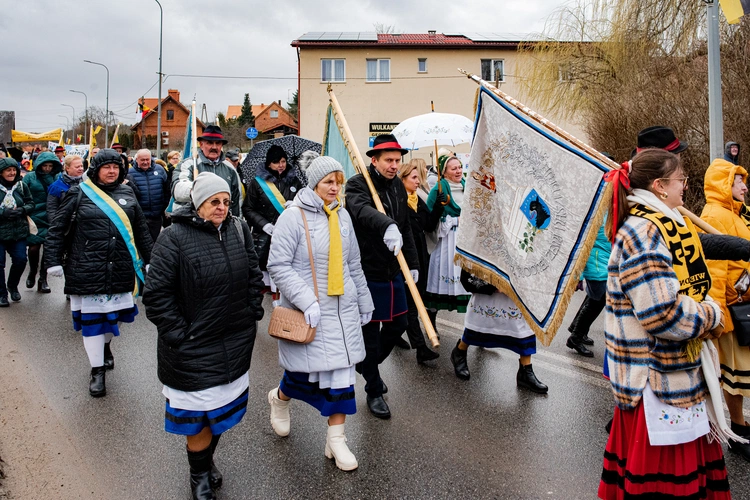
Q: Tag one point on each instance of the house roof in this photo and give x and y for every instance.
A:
(153, 104)
(236, 110)
(442, 40)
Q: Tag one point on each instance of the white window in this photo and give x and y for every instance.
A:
(422, 65)
(378, 70)
(332, 70)
(493, 69)
(274, 113)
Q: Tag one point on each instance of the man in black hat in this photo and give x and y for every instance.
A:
(210, 159)
(60, 153)
(662, 138)
(381, 237)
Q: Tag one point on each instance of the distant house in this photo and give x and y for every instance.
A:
(174, 117)
(271, 120)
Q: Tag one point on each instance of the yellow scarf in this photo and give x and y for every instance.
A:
(688, 262)
(335, 252)
(412, 200)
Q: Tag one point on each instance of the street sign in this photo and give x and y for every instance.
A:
(251, 133)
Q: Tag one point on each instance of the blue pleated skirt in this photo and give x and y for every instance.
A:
(220, 420)
(93, 324)
(525, 346)
(327, 401)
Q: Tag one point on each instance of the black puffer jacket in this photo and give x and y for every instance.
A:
(203, 293)
(259, 211)
(99, 261)
(379, 263)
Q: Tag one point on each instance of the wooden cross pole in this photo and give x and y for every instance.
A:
(361, 168)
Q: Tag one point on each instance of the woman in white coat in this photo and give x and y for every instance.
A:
(320, 373)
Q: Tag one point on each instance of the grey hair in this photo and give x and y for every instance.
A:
(306, 159)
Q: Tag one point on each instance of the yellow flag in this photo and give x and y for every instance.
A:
(93, 136)
(734, 9)
(62, 138)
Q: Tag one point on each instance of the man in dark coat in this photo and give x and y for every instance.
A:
(151, 189)
(732, 152)
(381, 237)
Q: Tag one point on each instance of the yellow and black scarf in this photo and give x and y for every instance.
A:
(687, 253)
(745, 215)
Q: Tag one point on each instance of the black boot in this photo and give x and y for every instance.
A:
(109, 359)
(401, 343)
(97, 387)
(200, 474)
(42, 286)
(460, 365)
(424, 353)
(215, 477)
(526, 378)
(15, 295)
(742, 450)
(14, 277)
(4, 301)
(590, 310)
(576, 343)
(378, 407)
(31, 279)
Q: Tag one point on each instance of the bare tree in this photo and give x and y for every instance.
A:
(384, 29)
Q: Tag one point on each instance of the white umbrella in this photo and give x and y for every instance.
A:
(445, 129)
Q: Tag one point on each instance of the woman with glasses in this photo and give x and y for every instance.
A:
(725, 191)
(658, 312)
(204, 295)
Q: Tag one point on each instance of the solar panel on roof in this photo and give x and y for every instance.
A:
(368, 36)
(313, 35)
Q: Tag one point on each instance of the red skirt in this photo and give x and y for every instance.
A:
(635, 469)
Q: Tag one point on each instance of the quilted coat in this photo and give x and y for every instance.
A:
(338, 340)
(17, 229)
(153, 191)
(39, 184)
(722, 212)
(99, 261)
(203, 293)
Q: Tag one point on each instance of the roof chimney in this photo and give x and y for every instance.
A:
(174, 94)
(432, 32)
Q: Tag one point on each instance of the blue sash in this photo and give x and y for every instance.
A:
(272, 193)
(119, 218)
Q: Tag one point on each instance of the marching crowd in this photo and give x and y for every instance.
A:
(202, 244)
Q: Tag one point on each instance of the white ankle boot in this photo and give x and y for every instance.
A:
(336, 448)
(280, 420)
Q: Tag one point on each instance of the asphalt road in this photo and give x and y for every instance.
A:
(448, 438)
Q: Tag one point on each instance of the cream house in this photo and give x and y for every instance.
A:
(382, 79)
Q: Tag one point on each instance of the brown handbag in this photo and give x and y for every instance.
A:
(289, 324)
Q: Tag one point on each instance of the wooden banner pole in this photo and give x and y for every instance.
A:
(361, 167)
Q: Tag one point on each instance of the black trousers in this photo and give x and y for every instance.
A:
(380, 338)
(154, 226)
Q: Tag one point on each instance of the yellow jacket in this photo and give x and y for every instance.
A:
(722, 212)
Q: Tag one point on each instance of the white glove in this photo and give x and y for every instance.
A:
(55, 271)
(365, 318)
(288, 204)
(414, 275)
(393, 239)
(312, 315)
(148, 266)
(268, 229)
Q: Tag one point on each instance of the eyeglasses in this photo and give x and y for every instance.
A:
(684, 180)
(216, 202)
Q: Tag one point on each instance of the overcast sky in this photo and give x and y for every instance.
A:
(44, 43)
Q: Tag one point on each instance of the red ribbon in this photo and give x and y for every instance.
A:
(618, 177)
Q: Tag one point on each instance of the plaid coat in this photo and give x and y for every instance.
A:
(647, 324)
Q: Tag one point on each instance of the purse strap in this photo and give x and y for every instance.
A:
(309, 251)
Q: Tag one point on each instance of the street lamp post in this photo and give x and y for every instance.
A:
(158, 107)
(106, 120)
(67, 123)
(86, 121)
(74, 120)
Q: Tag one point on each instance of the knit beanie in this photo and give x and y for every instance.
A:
(319, 168)
(205, 186)
(275, 154)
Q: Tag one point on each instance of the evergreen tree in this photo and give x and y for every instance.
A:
(246, 118)
(293, 105)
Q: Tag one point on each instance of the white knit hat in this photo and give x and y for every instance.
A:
(205, 186)
(319, 168)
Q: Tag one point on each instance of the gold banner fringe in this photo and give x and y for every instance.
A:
(546, 335)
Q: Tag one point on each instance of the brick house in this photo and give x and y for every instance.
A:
(271, 120)
(173, 122)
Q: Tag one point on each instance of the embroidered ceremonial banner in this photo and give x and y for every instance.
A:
(533, 204)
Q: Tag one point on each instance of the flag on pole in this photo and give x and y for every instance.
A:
(93, 131)
(143, 109)
(187, 151)
(335, 146)
(532, 207)
(61, 142)
(734, 9)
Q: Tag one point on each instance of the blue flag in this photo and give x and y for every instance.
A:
(186, 153)
(334, 145)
